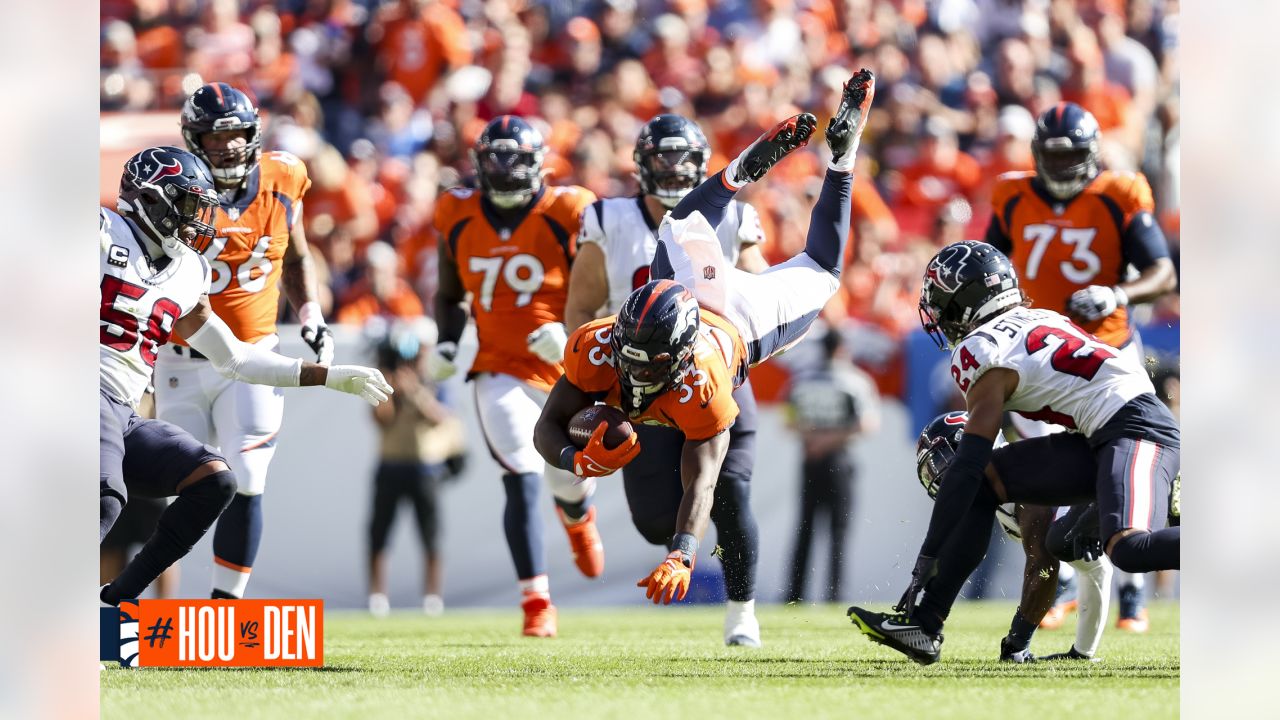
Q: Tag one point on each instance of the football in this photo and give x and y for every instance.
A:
(585, 422)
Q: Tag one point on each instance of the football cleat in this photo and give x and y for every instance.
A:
(379, 605)
(432, 605)
(584, 541)
(741, 628)
(1009, 655)
(539, 616)
(899, 633)
(1072, 654)
(778, 142)
(1057, 615)
(846, 126)
(1138, 623)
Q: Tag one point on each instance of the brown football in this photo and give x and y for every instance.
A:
(585, 422)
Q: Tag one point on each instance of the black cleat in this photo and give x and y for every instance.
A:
(1072, 654)
(847, 124)
(899, 633)
(789, 135)
(1008, 654)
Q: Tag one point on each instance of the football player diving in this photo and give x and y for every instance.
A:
(155, 282)
(618, 241)
(1122, 451)
(683, 341)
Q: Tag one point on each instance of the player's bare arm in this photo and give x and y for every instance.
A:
(298, 280)
(1157, 279)
(550, 435)
(209, 334)
(699, 469)
(451, 316)
(588, 286)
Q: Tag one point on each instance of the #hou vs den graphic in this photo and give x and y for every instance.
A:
(213, 633)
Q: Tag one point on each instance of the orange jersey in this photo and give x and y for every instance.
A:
(518, 278)
(700, 407)
(247, 252)
(1059, 248)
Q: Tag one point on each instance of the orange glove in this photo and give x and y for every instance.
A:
(670, 580)
(595, 460)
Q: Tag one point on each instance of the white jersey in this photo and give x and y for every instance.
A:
(1065, 375)
(139, 305)
(621, 228)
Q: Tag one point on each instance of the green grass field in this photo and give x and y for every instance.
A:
(668, 663)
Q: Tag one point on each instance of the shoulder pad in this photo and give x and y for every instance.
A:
(1007, 186)
(1130, 189)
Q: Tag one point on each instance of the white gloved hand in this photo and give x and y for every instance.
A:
(1095, 302)
(440, 364)
(547, 342)
(315, 333)
(368, 383)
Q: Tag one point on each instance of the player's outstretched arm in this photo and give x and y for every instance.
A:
(550, 435)
(232, 358)
(700, 463)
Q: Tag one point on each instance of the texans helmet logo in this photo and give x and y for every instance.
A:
(151, 168)
(945, 268)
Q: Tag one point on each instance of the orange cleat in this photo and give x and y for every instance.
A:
(1057, 615)
(584, 540)
(1139, 624)
(539, 616)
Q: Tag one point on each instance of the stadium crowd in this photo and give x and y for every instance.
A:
(383, 99)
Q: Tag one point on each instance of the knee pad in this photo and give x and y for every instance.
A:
(218, 487)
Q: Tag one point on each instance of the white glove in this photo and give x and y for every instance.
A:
(315, 333)
(547, 342)
(440, 364)
(368, 383)
(1095, 302)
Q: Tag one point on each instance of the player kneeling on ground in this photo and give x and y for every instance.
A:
(1122, 450)
(155, 282)
(669, 359)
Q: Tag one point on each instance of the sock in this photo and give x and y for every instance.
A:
(574, 511)
(829, 222)
(1020, 632)
(1148, 551)
(235, 544)
(710, 198)
(521, 524)
(738, 536)
(1065, 572)
(109, 509)
(537, 586)
(1094, 595)
(181, 525)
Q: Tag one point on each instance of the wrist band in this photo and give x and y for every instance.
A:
(687, 544)
(566, 457)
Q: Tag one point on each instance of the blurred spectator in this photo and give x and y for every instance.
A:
(417, 41)
(420, 446)
(941, 172)
(828, 406)
(1011, 153)
(382, 292)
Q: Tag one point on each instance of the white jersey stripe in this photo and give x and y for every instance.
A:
(1141, 482)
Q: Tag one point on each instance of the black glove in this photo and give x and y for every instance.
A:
(926, 567)
(320, 340)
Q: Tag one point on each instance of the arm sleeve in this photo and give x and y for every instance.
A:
(996, 236)
(960, 485)
(240, 360)
(1143, 242)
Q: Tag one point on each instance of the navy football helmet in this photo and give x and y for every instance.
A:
(167, 193)
(214, 108)
(671, 158)
(1065, 148)
(653, 339)
(936, 448)
(508, 158)
(966, 284)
